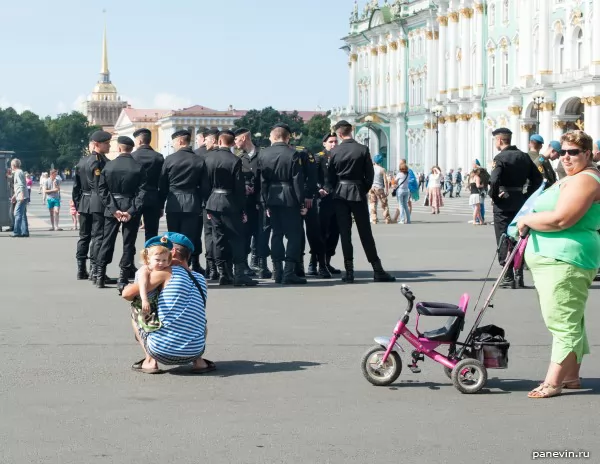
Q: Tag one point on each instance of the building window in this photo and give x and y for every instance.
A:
(505, 68)
(505, 11)
(559, 65)
(491, 15)
(492, 72)
(579, 50)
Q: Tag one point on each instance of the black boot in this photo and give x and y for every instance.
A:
(509, 279)
(332, 269)
(299, 269)
(254, 264)
(379, 275)
(82, 273)
(519, 278)
(290, 274)
(123, 279)
(312, 266)
(131, 272)
(263, 269)
(211, 268)
(349, 266)
(92, 273)
(240, 278)
(224, 277)
(100, 276)
(277, 271)
(323, 271)
(196, 265)
(248, 270)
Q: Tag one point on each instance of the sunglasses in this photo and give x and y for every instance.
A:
(571, 152)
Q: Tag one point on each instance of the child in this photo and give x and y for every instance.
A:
(156, 256)
(74, 214)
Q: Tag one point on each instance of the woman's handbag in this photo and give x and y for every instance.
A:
(394, 192)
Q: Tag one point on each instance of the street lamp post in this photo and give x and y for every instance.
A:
(538, 99)
(437, 112)
(368, 124)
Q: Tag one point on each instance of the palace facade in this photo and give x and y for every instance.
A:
(429, 81)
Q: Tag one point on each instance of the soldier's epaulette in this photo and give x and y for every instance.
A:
(300, 148)
(321, 153)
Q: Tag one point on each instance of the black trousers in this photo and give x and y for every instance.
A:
(208, 237)
(286, 222)
(344, 210)
(151, 216)
(329, 226)
(502, 220)
(97, 236)
(260, 243)
(85, 235)
(251, 228)
(312, 225)
(228, 237)
(111, 230)
(186, 224)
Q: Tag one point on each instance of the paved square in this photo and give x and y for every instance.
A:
(288, 388)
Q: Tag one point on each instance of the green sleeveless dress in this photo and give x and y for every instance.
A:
(563, 265)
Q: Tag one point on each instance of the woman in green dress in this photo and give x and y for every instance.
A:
(563, 254)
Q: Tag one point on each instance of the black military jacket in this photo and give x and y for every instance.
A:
(512, 169)
(322, 162)
(226, 192)
(251, 174)
(121, 185)
(85, 186)
(350, 171)
(201, 150)
(309, 166)
(152, 163)
(282, 176)
(181, 182)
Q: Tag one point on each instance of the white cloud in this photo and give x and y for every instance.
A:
(61, 108)
(18, 107)
(77, 104)
(170, 101)
(135, 102)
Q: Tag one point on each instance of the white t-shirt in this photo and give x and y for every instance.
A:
(378, 181)
(434, 180)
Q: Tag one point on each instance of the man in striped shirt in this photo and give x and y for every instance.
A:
(181, 310)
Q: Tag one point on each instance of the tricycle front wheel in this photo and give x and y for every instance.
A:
(377, 373)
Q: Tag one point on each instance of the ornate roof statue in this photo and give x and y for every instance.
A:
(354, 15)
(397, 7)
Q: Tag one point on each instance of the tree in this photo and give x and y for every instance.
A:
(261, 121)
(314, 131)
(69, 134)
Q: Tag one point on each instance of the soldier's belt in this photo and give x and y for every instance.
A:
(189, 192)
(512, 189)
(121, 196)
(281, 183)
(225, 191)
(87, 194)
(350, 182)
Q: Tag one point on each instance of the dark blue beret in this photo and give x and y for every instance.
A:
(160, 240)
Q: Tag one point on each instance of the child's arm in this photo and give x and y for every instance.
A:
(144, 281)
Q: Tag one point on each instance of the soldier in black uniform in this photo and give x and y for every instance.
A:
(151, 162)
(225, 201)
(121, 188)
(255, 234)
(89, 204)
(200, 136)
(351, 177)
(180, 187)
(512, 170)
(282, 192)
(209, 147)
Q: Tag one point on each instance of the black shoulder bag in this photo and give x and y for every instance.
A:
(198, 286)
(399, 185)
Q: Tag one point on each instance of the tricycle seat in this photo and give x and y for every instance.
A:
(439, 309)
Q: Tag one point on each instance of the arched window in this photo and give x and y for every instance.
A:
(366, 102)
(492, 72)
(559, 64)
(505, 68)
(505, 11)
(579, 49)
(491, 14)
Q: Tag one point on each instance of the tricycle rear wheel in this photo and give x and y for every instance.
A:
(469, 376)
(380, 375)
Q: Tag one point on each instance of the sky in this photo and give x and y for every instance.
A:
(171, 55)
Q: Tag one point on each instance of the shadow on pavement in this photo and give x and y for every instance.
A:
(240, 367)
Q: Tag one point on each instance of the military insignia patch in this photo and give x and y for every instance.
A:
(299, 161)
(541, 168)
(311, 159)
(97, 172)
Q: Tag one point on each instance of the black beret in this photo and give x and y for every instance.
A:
(241, 131)
(141, 131)
(203, 131)
(342, 123)
(227, 132)
(282, 126)
(181, 133)
(326, 137)
(101, 137)
(123, 140)
(214, 132)
(502, 130)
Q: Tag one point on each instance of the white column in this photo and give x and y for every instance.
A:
(373, 91)
(480, 51)
(466, 87)
(544, 42)
(441, 140)
(524, 139)
(393, 83)
(546, 114)
(477, 139)
(515, 113)
(595, 64)
(594, 128)
(588, 116)
(525, 41)
(441, 81)
(452, 63)
(402, 97)
(430, 89)
(558, 127)
(450, 159)
(462, 141)
(401, 139)
(353, 63)
(382, 55)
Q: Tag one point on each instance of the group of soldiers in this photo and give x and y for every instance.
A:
(238, 194)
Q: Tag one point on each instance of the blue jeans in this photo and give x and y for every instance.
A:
(403, 206)
(21, 226)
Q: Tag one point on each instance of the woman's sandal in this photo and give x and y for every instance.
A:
(545, 391)
(573, 384)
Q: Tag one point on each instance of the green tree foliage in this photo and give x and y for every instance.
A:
(314, 130)
(40, 143)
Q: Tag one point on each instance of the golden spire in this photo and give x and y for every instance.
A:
(104, 69)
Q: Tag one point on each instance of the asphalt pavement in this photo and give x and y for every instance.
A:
(288, 388)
